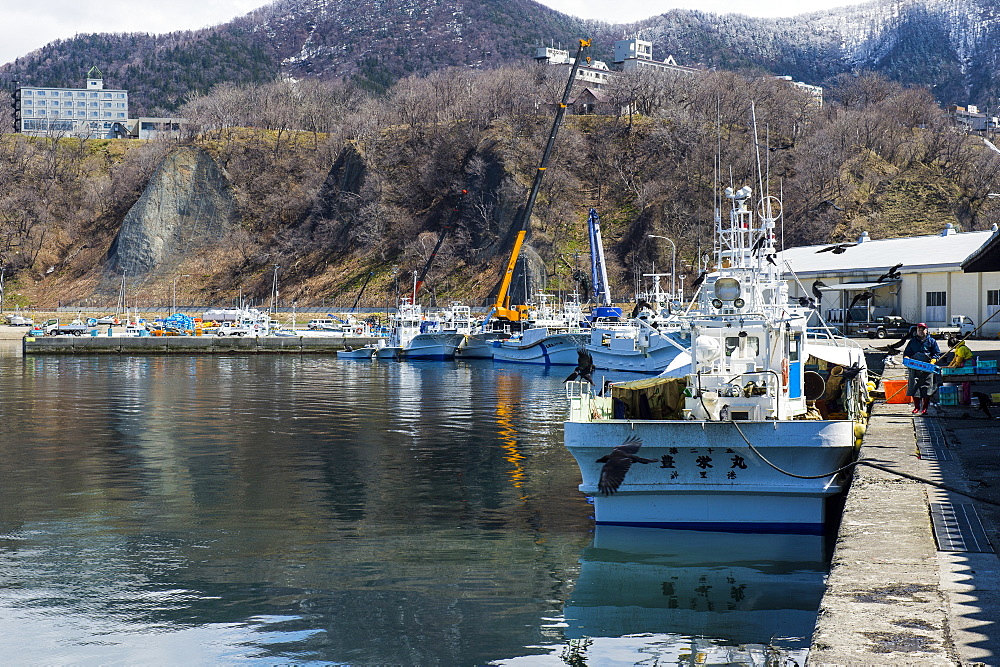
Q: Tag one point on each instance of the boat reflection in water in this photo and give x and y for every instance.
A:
(702, 597)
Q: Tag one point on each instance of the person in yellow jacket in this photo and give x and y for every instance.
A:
(960, 352)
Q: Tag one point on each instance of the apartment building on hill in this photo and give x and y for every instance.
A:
(92, 111)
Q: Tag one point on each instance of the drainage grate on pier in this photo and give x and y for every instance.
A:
(957, 528)
(931, 443)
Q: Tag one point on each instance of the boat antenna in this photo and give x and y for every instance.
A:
(756, 144)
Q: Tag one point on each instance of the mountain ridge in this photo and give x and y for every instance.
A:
(949, 46)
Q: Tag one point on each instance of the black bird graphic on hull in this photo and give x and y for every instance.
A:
(891, 274)
(617, 463)
(838, 248)
(584, 367)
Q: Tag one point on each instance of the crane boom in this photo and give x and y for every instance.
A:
(501, 308)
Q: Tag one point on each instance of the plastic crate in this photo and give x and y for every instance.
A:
(948, 399)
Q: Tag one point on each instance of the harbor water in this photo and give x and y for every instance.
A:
(300, 508)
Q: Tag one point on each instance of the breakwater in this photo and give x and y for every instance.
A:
(66, 345)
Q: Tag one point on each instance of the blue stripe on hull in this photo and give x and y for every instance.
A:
(782, 528)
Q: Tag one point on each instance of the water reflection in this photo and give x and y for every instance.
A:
(275, 509)
(707, 597)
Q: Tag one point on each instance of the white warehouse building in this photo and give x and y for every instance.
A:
(932, 285)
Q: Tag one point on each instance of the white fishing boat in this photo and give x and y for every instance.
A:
(646, 342)
(368, 351)
(412, 335)
(16, 319)
(754, 436)
(552, 338)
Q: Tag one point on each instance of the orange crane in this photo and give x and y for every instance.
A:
(501, 308)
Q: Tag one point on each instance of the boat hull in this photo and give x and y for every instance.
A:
(480, 346)
(366, 352)
(626, 357)
(705, 476)
(553, 350)
(425, 346)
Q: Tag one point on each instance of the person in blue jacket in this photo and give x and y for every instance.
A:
(921, 385)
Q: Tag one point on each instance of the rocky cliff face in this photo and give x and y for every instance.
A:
(187, 206)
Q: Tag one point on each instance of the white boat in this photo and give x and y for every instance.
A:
(363, 352)
(412, 335)
(716, 448)
(647, 342)
(552, 338)
(16, 319)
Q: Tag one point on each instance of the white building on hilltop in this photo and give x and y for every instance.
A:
(932, 286)
(590, 72)
(93, 112)
(635, 53)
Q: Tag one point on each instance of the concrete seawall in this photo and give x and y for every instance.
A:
(66, 345)
(915, 577)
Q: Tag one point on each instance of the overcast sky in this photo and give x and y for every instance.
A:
(26, 26)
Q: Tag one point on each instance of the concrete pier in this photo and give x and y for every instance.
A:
(64, 345)
(915, 577)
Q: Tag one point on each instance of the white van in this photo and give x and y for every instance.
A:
(324, 325)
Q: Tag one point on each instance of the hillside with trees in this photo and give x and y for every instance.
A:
(334, 183)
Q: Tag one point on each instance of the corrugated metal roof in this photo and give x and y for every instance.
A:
(915, 252)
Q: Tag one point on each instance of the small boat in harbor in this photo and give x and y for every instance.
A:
(755, 436)
(16, 319)
(552, 337)
(364, 352)
(647, 342)
(412, 335)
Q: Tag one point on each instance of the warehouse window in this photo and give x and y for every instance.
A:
(936, 306)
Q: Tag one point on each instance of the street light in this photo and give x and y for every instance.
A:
(173, 293)
(673, 264)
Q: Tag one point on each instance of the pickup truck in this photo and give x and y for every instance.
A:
(892, 326)
(887, 326)
(959, 326)
(53, 328)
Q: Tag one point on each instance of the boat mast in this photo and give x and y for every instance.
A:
(598, 270)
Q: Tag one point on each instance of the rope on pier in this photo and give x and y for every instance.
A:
(870, 464)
